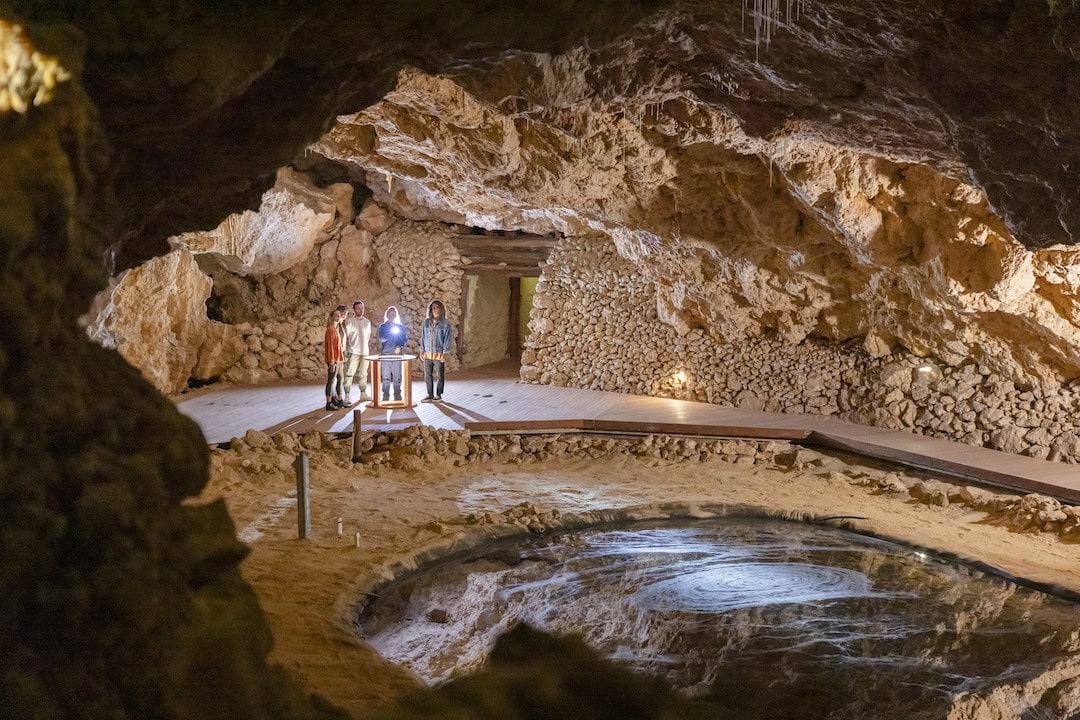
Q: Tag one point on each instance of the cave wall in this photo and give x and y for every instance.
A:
(282, 316)
(154, 315)
(424, 266)
(595, 324)
(116, 600)
(834, 184)
(376, 258)
(272, 324)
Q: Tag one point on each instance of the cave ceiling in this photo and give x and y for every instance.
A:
(202, 101)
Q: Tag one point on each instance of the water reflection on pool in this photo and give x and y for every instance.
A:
(769, 616)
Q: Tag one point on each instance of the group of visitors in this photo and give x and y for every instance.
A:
(348, 336)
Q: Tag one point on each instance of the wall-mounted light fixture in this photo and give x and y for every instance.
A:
(925, 373)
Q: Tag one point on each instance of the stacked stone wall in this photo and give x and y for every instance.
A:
(405, 265)
(595, 325)
(282, 315)
(423, 265)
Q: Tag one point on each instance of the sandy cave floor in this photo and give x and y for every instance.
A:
(311, 589)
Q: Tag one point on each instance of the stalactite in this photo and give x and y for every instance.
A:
(766, 14)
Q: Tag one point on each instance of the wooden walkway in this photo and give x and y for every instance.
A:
(480, 397)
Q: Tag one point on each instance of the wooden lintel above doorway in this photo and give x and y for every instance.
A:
(507, 270)
(513, 254)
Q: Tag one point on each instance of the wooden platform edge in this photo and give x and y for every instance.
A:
(961, 470)
(642, 427)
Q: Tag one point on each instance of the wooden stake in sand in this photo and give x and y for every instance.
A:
(303, 503)
(356, 436)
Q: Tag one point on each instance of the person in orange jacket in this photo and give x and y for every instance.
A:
(335, 358)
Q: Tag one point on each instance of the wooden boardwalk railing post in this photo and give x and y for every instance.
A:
(303, 487)
(356, 436)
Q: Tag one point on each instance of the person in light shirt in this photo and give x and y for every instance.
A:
(392, 338)
(357, 338)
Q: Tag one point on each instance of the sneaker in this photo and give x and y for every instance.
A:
(427, 398)
(348, 400)
(338, 404)
(364, 398)
(438, 398)
(330, 406)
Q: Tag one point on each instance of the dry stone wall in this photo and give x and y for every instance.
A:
(283, 315)
(418, 448)
(377, 258)
(423, 265)
(595, 324)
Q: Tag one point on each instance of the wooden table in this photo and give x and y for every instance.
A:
(376, 381)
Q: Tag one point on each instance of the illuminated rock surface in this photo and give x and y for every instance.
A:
(155, 316)
(837, 189)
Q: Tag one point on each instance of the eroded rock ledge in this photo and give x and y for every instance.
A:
(116, 600)
(799, 232)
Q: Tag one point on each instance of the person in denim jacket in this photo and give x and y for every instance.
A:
(435, 338)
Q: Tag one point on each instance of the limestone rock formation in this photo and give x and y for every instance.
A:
(812, 188)
(274, 275)
(203, 102)
(155, 316)
(278, 235)
(27, 77)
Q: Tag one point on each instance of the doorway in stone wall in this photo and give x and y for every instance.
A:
(495, 317)
(502, 268)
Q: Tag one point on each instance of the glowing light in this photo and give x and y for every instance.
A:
(27, 77)
(679, 377)
(926, 373)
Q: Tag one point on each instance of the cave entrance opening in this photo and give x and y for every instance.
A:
(494, 317)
